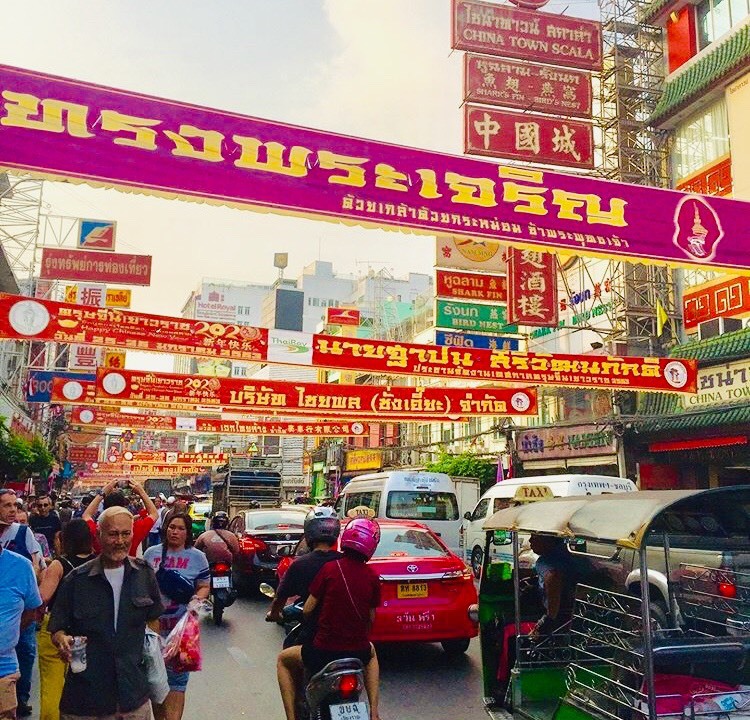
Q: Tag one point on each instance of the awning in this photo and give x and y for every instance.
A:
(544, 464)
(698, 443)
(592, 461)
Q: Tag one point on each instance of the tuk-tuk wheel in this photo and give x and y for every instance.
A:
(455, 647)
(476, 561)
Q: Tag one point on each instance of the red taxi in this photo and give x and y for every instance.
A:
(427, 592)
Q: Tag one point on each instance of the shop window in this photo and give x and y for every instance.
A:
(716, 17)
(700, 140)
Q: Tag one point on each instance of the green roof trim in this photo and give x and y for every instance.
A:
(648, 13)
(722, 348)
(701, 75)
(716, 416)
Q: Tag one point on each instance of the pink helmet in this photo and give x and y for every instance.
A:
(361, 535)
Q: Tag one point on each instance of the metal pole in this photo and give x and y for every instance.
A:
(648, 647)
(670, 587)
(516, 588)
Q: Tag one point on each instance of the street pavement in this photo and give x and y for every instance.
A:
(238, 680)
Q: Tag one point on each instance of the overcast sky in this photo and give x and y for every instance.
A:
(381, 69)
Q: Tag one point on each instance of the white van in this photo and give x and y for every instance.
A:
(427, 497)
(528, 489)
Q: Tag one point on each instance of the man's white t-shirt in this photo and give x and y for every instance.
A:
(115, 576)
(32, 544)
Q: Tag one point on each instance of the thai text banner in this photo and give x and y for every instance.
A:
(471, 286)
(124, 385)
(24, 319)
(94, 266)
(60, 128)
(301, 427)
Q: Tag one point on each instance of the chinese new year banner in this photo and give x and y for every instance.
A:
(24, 319)
(301, 427)
(532, 297)
(155, 388)
(59, 128)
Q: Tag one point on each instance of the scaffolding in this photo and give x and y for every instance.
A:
(633, 152)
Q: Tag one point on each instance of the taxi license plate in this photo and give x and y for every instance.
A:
(220, 581)
(412, 590)
(350, 711)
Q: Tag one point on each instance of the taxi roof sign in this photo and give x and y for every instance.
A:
(361, 511)
(532, 493)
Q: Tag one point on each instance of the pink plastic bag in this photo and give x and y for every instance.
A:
(182, 651)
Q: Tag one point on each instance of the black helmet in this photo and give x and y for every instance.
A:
(322, 525)
(219, 520)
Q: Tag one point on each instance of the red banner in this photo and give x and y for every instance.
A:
(281, 396)
(728, 298)
(64, 264)
(171, 458)
(80, 454)
(301, 427)
(511, 32)
(147, 469)
(519, 84)
(532, 294)
(471, 286)
(523, 136)
(342, 316)
(23, 318)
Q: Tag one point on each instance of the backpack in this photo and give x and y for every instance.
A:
(18, 543)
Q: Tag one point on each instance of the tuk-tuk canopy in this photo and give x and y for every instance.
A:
(625, 518)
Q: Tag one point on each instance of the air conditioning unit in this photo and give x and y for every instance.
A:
(718, 326)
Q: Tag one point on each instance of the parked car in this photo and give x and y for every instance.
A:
(427, 592)
(264, 536)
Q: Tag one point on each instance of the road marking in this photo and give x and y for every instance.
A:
(240, 656)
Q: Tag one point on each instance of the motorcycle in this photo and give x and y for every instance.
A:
(223, 593)
(337, 692)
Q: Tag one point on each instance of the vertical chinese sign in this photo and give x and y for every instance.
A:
(532, 288)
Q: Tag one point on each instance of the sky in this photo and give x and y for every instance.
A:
(380, 69)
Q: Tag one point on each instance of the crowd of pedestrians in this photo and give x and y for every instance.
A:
(72, 570)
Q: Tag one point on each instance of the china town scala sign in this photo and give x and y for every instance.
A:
(59, 128)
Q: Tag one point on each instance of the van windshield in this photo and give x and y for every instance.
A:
(409, 505)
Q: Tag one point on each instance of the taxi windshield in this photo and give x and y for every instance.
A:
(408, 542)
(421, 505)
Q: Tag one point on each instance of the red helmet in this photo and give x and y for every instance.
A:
(361, 535)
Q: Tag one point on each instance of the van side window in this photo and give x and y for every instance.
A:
(411, 505)
(500, 504)
(480, 511)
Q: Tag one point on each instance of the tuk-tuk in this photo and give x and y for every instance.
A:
(683, 652)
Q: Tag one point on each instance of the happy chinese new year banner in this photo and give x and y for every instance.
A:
(523, 85)
(303, 427)
(23, 318)
(127, 385)
(532, 294)
(523, 136)
(59, 128)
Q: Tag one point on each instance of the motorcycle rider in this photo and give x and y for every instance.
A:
(322, 528)
(219, 544)
(346, 593)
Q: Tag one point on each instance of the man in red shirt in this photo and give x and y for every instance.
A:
(113, 497)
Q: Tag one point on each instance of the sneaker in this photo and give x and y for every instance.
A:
(23, 710)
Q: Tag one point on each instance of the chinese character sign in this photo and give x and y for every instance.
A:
(523, 136)
(727, 298)
(518, 84)
(532, 296)
(471, 286)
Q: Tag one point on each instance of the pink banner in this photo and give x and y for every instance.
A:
(523, 136)
(527, 35)
(520, 84)
(59, 128)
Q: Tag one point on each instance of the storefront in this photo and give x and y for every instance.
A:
(585, 449)
(702, 440)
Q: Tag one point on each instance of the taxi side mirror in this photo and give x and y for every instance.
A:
(467, 515)
(206, 515)
(283, 551)
(501, 537)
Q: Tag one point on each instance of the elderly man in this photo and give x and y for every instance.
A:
(108, 601)
(18, 599)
